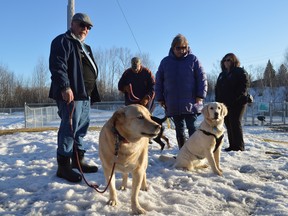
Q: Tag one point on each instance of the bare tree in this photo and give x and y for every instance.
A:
(111, 64)
(124, 58)
(40, 81)
(7, 85)
(147, 62)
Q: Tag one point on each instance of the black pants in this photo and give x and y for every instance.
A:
(234, 127)
(180, 121)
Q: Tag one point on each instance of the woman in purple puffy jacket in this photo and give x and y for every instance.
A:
(181, 86)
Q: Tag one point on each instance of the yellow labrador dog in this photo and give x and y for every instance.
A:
(126, 134)
(206, 141)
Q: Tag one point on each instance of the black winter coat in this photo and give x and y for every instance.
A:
(231, 88)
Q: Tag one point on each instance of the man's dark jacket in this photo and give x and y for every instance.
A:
(65, 64)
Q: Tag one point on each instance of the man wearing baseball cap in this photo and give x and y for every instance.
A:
(73, 87)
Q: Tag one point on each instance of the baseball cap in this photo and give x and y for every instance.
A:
(135, 61)
(83, 18)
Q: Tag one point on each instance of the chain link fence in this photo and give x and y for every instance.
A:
(45, 115)
(40, 115)
(266, 113)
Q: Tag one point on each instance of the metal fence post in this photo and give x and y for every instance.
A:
(284, 111)
(252, 110)
(270, 111)
(25, 115)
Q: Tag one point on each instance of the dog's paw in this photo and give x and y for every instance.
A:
(145, 188)
(203, 166)
(137, 210)
(122, 188)
(219, 173)
(184, 169)
(112, 202)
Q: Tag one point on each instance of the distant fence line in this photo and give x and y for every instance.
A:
(11, 110)
(273, 113)
(40, 115)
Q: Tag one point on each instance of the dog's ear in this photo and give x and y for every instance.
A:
(204, 111)
(118, 116)
(224, 110)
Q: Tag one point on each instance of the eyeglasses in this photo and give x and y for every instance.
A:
(178, 48)
(227, 60)
(83, 25)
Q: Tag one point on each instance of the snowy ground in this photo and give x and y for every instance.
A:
(254, 182)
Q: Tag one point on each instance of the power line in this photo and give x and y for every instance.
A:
(129, 27)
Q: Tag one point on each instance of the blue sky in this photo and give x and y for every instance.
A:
(255, 30)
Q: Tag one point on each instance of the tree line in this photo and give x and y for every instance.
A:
(14, 91)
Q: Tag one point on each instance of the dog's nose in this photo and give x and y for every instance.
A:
(216, 115)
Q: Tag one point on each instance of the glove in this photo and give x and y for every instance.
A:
(145, 100)
(250, 98)
(199, 100)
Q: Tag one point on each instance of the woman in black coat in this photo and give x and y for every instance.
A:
(231, 89)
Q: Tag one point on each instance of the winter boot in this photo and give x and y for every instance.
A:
(84, 166)
(65, 170)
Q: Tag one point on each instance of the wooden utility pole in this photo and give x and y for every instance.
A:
(70, 12)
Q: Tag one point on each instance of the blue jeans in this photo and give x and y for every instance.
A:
(179, 122)
(80, 123)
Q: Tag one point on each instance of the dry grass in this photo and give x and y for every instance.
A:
(20, 130)
(276, 141)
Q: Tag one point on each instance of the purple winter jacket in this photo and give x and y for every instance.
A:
(178, 82)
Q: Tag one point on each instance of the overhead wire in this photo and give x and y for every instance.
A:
(129, 26)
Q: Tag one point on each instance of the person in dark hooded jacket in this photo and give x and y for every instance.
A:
(231, 89)
(73, 86)
(181, 86)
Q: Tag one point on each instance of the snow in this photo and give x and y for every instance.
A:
(254, 182)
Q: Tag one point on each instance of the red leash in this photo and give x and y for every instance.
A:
(131, 95)
(94, 186)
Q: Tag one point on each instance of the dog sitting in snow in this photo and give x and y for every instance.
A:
(206, 141)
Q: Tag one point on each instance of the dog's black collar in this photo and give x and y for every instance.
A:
(218, 140)
(119, 137)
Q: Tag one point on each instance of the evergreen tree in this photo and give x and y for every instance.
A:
(282, 76)
(269, 75)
